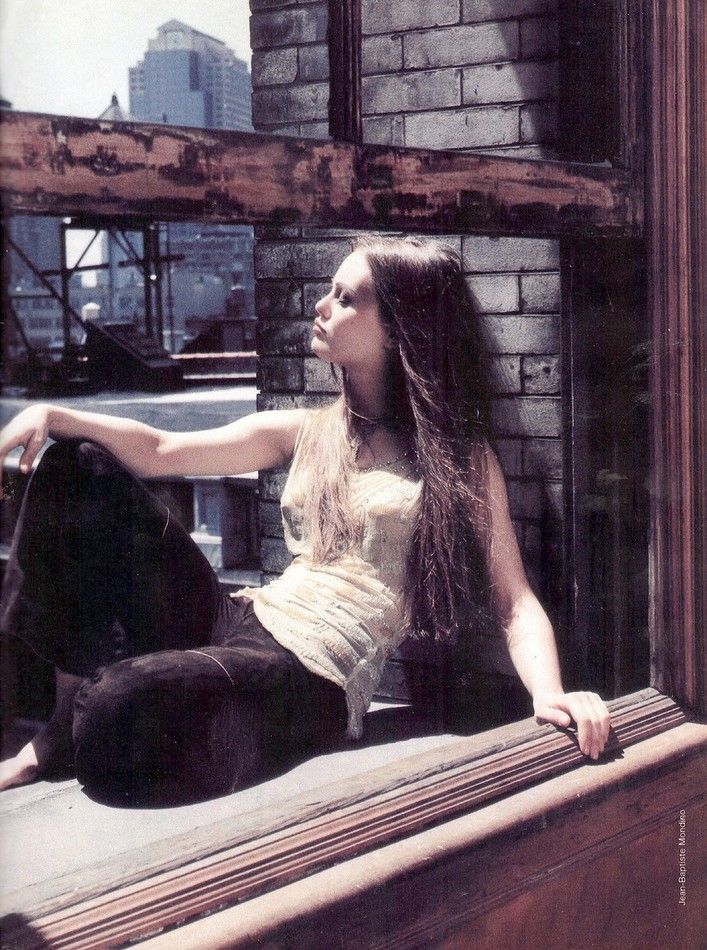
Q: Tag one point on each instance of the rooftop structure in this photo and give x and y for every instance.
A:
(115, 112)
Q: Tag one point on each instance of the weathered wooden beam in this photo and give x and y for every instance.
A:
(58, 165)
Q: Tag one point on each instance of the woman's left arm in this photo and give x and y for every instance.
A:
(529, 633)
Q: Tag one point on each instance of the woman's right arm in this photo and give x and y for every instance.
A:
(257, 441)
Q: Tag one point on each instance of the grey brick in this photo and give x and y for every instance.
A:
(280, 374)
(269, 67)
(474, 11)
(411, 93)
(514, 82)
(314, 130)
(278, 300)
(313, 63)
(318, 259)
(541, 375)
(492, 254)
(538, 37)
(462, 128)
(257, 5)
(291, 103)
(278, 128)
(554, 500)
(274, 555)
(318, 377)
(276, 232)
(495, 294)
(330, 234)
(542, 152)
(271, 483)
(527, 415)
(288, 27)
(461, 45)
(284, 338)
(524, 499)
(542, 457)
(378, 17)
(505, 374)
(534, 575)
(538, 122)
(381, 54)
(312, 294)
(384, 130)
(526, 334)
(270, 518)
(285, 401)
(510, 455)
(449, 240)
(540, 293)
(531, 542)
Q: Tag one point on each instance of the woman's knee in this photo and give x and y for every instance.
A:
(103, 709)
(82, 454)
(147, 733)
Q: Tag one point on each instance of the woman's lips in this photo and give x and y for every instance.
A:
(318, 328)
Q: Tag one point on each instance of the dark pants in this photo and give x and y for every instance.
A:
(186, 695)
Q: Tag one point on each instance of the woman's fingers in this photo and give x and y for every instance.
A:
(7, 444)
(592, 718)
(554, 715)
(589, 713)
(32, 447)
(29, 428)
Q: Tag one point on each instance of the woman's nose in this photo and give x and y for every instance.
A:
(320, 306)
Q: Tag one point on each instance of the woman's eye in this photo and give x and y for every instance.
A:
(344, 301)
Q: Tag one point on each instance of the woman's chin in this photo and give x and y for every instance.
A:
(320, 349)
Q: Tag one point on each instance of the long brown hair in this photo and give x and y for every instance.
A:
(440, 401)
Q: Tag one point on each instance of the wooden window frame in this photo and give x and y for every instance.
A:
(69, 166)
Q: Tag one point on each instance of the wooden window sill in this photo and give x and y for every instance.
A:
(228, 862)
(597, 847)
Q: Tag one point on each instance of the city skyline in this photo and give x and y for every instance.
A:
(41, 69)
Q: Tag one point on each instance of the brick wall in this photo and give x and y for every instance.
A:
(472, 75)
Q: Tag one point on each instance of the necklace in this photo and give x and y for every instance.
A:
(398, 458)
(375, 422)
(371, 420)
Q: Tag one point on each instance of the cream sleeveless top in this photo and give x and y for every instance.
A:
(342, 619)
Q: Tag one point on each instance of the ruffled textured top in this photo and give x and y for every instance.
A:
(342, 619)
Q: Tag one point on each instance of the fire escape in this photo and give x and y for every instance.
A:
(114, 352)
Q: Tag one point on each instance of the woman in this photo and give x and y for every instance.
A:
(395, 510)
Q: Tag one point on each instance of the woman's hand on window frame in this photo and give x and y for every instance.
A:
(587, 710)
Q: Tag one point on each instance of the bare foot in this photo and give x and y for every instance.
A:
(52, 746)
(20, 769)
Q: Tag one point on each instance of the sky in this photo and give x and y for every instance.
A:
(68, 57)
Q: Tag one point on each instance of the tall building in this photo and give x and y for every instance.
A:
(40, 239)
(189, 78)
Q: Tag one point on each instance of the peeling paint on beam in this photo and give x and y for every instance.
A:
(69, 166)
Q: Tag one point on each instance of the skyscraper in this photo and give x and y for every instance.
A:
(189, 78)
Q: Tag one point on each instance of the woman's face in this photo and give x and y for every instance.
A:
(348, 329)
